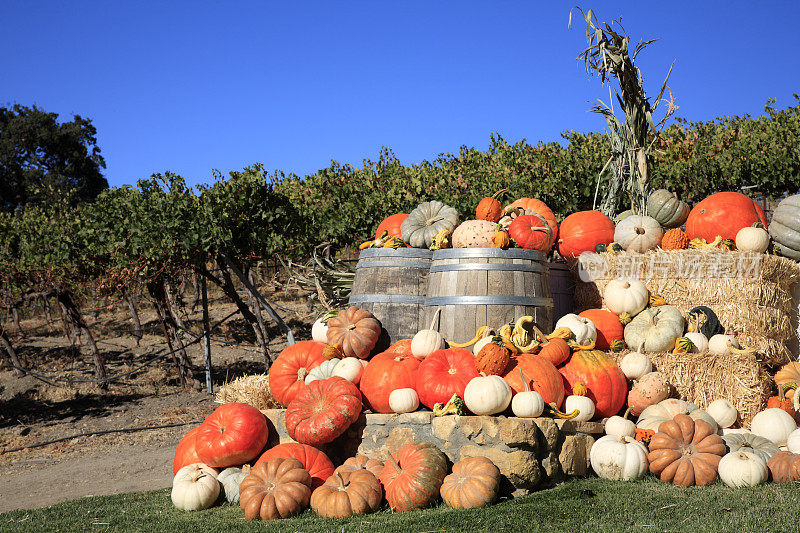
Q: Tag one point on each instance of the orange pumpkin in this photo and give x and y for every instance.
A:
(539, 207)
(686, 452)
(288, 373)
(723, 214)
(609, 328)
(606, 384)
(493, 358)
(782, 400)
(391, 225)
(531, 232)
(555, 350)
(355, 330)
(540, 374)
(413, 476)
(675, 239)
(788, 373)
(489, 208)
(582, 231)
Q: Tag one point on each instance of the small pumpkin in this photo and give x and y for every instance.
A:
(278, 488)
(323, 371)
(788, 373)
(752, 239)
(749, 442)
(426, 221)
(742, 469)
(773, 424)
(620, 426)
(413, 476)
(501, 239)
(347, 493)
(723, 412)
(618, 458)
(487, 395)
(617, 345)
(528, 403)
(474, 234)
(474, 482)
(793, 441)
(489, 208)
(683, 345)
(230, 479)
(726, 345)
(427, 341)
(704, 320)
(635, 365)
(583, 329)
(404, 400)
(784, 467)
(195, 487)
(355, 330)
(638, 233)
(782, 400)
(350, 368)
(666, 208)
(493, 358)
(625, 296)
(674, 239)
(319, 330)
(698, 340)
(578, 401)
(686, 452)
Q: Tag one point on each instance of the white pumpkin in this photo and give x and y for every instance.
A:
(723, 412)
(230, 479)
(620, 427)
(721, 344)
(582, 328)
(584, 405)
(699, 341)
(793, 441)
(752, 239)
(323, 371)
(487, 395)
(742, 469)
(195, 487)
(619, 458)
(733, 431)
(427, 341)
(654, 415)
(527, 404)
(350, 368)
(626, 296)
(403, 400)
(319, 330)
(638, 233)
(635, 365)
(773, 424)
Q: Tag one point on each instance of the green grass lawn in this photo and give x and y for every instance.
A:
(582, 505)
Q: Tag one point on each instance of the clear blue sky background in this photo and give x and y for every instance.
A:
(191, 86)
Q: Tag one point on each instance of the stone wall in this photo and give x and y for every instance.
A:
(528, 451)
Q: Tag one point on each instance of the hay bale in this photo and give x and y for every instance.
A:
(703, 378)
(253, 390)
(750, 293)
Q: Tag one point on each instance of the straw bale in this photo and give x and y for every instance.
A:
(750, 293)
(253, 390)
(703, 378)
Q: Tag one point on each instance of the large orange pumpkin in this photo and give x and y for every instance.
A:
(605, 383)
(413, 476)
(323, 411)
(532, 233)
(540, 374)
(233, 434)
(391, 225)
(444, 373)
(396, 368)
(288, 373)
(532, 204)
(609, 328)
(314, 461)
(186, 452)
(724, 214)
(582, 231)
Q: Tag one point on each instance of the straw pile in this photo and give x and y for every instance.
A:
(750, 293)
(252, 390)
(703, 378)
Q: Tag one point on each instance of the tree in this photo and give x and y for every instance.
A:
(41, 160)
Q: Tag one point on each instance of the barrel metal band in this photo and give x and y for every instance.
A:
(424, 265)
(534, 267)
(462, 253)
(386, 299)
(489, 300)
(416, 253)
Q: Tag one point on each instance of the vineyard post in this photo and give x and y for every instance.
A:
(206, 336)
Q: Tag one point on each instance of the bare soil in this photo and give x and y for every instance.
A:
(32, 411)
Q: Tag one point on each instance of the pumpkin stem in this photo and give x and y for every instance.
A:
(524, 381)
(435, 317)
(302, 372)
(394, 464)
(498, 193)
(246, 469)
(626, 413)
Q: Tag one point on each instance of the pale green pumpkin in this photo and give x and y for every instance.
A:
(424, 222)
(667, 208)
(655, 329)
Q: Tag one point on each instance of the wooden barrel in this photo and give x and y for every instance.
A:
(562, 287)
(392, 285)
(477, 287)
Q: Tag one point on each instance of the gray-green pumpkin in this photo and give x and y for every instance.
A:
(622, 216)
(655, 329)
(785, 227)
(667, 208)
(426, 221)
(750, 442)
(230, 479)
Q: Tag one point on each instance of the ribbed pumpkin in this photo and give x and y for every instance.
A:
(667, 208)
(539, 207)
(396, 368)
(474, 483)
(444, 373)
(686, 452)
(391, 225)
(493, 358)
(582, 231)
(606, 385)
(361, 462)
(785, 227)
(316, 463)
(426, 221)
(413, 476)
(540, 374)
(675, 239)
(348, 493)
(607, 325)
(274, 489)
(724, 214)
(489, 208)
(356, 330)
(531, 232)
(784, 467)
(288, 372)
(323, 411)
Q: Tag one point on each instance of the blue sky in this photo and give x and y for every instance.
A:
(192, 86)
